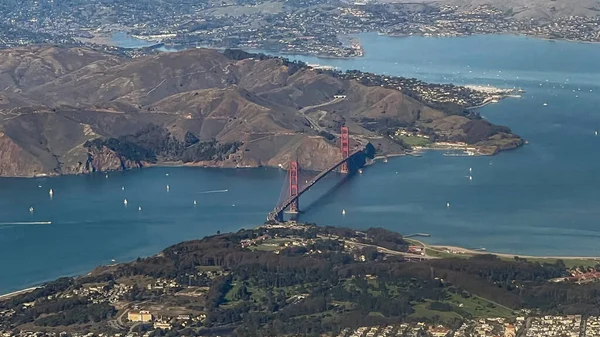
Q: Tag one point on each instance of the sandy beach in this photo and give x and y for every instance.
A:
(18, 292)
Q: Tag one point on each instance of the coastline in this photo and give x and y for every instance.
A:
(440, 251)
(415, 151)
(319, 56)
(462, 252)
(16, 293)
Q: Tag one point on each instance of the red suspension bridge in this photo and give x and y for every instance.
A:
(293, 188)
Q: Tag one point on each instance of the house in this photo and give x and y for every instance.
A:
(439, 331)
(139, 316)
(162, 325)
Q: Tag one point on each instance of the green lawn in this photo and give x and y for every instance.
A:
(570, 263)
(423, 312)
(414, 141)
(475, 306)
(478, 306)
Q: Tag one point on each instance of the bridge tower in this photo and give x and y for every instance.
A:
(345, 147)
(293, 172)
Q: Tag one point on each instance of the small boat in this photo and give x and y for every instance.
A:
(359, 171)
(385, 160)
(30, 209)
(166, 174)
(343, 212)
(233, 205)
(545, 104)
(140, 208)
(122, 188)
(470, 169)
(595, 133)
(470, 177)
(125, 202)
(51, 193)
(106, 176)
(168, 188)
(194, 202)
(447, 204)
(113, 260)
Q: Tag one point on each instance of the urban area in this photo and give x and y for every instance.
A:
(310, 27)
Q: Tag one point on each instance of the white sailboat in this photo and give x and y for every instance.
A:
(448, 204)
(168, 188)
(140, 208)
(470, 177)
(31, 209)
(51, 193)
(194, 202)
(125, 202)
(343, 212)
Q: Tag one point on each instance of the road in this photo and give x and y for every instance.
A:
(389, 251)
(461, 250)
(314, 124)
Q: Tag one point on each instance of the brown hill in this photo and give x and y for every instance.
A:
(76, 110)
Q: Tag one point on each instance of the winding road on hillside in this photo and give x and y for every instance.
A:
(314, 124)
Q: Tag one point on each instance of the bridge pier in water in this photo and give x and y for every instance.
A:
(290, 204)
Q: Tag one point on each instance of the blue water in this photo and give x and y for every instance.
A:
(539, 199)
(124, 40)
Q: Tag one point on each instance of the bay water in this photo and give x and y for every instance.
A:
(541, 199)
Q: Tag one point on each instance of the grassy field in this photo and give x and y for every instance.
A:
(414, 141)
(271, 244)
(570, 263)
(478, 306)
(423, 312)
(475, 306)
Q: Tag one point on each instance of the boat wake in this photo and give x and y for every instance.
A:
(26, 223)
(213, 191)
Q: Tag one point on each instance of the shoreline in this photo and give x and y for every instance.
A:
(441, 146)
(456, 251)
(466, 252)
(16, 293)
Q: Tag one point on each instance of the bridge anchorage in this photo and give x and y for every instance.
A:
(295, 185)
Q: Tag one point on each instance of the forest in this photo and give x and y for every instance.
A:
(317, 285)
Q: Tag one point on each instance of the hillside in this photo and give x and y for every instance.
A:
(74, 110)
(302, 280)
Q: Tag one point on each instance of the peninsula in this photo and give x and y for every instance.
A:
(293, 279)
(77, 110)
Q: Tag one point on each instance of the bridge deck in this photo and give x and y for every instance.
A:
(278, 210)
